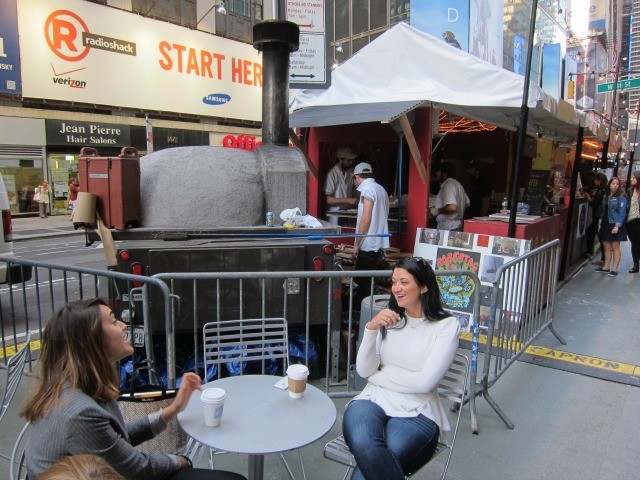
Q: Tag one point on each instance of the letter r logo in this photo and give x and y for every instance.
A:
(63, 31)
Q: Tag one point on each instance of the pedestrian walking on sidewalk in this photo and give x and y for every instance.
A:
(42, 194)
(73, 196)
(633, 220)
(613, 229)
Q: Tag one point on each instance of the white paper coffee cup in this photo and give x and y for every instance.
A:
(213, 404)
(297, 378)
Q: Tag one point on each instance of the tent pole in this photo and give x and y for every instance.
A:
(522, 133)
(577, 167)
(399, 187)
(413, 147)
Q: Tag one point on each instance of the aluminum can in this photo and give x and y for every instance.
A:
(269, 218)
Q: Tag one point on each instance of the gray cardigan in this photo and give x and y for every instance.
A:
(80, 425)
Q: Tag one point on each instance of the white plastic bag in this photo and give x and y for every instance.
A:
(309, 221)
(290, 216)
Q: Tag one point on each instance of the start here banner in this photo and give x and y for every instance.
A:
(83, 52)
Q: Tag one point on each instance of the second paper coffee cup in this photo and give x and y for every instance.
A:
(213, 405)
(297, 377)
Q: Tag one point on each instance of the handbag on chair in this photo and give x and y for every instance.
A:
(140, 401)
(147, 400)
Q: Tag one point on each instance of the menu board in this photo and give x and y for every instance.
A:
(535, 190)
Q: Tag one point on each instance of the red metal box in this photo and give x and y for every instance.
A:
(116, 183)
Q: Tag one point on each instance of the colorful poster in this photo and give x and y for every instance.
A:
(9, 48)
(457, 291)
(482, 254)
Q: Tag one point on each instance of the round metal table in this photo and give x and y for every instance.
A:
(260, 419)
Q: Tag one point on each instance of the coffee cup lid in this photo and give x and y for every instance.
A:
(298, 371)
(213, 395)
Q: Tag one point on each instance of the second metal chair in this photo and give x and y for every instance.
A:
(248, 344)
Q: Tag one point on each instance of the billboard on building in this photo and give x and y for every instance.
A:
(9, 49)
(519, 60)
(597, 14)
(486, 30)
(83, 52)
(552, 69)
(445, 19)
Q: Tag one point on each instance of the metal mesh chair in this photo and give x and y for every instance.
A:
(15, 368)
(240, 342)
(17, 468)
(452, 387)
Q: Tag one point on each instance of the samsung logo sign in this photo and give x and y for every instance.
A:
(217, 99)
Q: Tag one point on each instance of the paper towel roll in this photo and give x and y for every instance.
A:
(85, 211)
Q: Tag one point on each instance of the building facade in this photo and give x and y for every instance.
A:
(183, 74)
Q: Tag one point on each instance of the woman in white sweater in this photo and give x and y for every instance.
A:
(393, 426)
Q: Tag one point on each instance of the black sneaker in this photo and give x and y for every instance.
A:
(612, 274)
(601, 270)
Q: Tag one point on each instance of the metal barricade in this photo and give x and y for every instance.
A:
(148, 303)
(292, 284)
(522, 307)
(26, 306)
(338, 382)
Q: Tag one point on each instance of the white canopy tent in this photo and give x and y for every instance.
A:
(405, 68)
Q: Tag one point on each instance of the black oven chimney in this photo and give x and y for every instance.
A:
(276, 39)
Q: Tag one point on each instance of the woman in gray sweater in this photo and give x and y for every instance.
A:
(74, 409)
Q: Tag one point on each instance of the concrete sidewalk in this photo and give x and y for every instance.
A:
(567, 425)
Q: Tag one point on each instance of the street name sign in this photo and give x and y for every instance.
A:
(309, 67)
(631, 84)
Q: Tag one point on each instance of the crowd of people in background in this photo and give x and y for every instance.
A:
(613, 215)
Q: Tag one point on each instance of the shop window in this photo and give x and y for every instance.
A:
(21, 182)
(258, 10)
(378, 14)
(182, 12)
(341, 19)
(240, 7)
(360, 16)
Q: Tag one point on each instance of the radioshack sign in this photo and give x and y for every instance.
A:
(94, 54)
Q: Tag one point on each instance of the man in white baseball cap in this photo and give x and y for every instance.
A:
(373, 214)
(338, 187)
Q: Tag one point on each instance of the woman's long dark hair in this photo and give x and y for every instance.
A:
(73, 353)
(602, 180)
(636, 175)
(619, 192)
(424, 277)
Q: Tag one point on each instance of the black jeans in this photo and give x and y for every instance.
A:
(366, 261)
(633, 232)
(592, 231)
